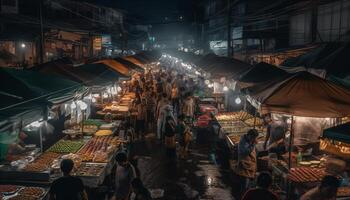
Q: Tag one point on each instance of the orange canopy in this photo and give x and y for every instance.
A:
(115, 65)
(133, 60)
(304, 94)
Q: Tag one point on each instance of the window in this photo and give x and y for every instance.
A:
(12, 3)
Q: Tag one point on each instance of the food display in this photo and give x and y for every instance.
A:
(42, 162)
(306, 174)
(8, 189)
(103, 145)
(250, 121)
(23, 197)
(32, 191)
(343, 192)
(90, 169)
(227, 116)
(103, 133)
(66, 146)
(93, 122)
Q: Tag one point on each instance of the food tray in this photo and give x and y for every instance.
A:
(305, 174)
(91, 169)
(66, 146)
(19, 196)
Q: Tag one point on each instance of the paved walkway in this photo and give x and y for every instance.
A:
(198, 177)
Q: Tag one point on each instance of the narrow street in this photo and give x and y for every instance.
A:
(198, 177)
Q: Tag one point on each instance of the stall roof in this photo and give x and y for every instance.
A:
(117, 66)
(129, 64)
(303, 94)
(98, 74)
(227, 67)
(261, 73)
(24, 85)
(134, 60)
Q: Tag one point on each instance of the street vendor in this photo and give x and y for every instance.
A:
(246, 167)
(275, 136)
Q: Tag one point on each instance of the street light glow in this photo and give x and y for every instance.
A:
(23, 45)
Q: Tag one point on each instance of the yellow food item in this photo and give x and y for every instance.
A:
(103, 133)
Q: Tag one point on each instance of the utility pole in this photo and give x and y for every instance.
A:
(42, 39)
(229, 28)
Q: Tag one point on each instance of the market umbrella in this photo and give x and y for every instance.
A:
(302, 94)
(261, 73)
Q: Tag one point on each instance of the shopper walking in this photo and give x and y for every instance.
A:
(125, 173)
(67, 187)
(188, 107)
(246, 167)
(184, 136)
(140, 191)
(170, 143)
(141, 119)
(262, 191)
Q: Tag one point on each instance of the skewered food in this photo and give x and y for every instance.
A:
(306, 174)
(343, 192)
(100, 144)
(32, 191)
(66, 146)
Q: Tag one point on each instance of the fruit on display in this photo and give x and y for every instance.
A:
(90, 169)
(9, 189)
(101, 144)
(42, 162)
(66, 146)
(32, 191)
(306, 174)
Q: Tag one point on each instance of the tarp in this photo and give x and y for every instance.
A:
(331, 58)
(136, 61)
(339, 133)
(303, 94)
(260, 73)
(129, 64)
(117, 66)
(24, 85)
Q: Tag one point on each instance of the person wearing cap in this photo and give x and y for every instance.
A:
(327, 190)
(67, 187)
(246, 167)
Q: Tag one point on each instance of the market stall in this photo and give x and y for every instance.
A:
(313, 104)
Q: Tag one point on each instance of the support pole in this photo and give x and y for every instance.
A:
(290, 143)
(229, 35)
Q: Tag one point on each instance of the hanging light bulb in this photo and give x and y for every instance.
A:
(225, 88)
(96, 95)
(105, 95)
(207, 82)
(119, 89)
(210, 85)
(83, 105)
(93, 100)
(238, 100)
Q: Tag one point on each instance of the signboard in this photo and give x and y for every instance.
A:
(106, 40)
(97, 43)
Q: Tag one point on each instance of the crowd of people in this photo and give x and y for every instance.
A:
(164, 105)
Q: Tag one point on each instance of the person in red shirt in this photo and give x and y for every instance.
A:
(261, 192)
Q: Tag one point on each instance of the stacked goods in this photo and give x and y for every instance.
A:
(8, 189)
(90, 169)
(32, 191)
(343, 191)
(66, 146)
(42, 163)
(305, 174)
(98, 144)
(250, 122)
